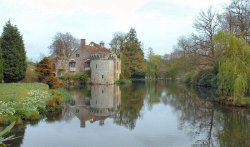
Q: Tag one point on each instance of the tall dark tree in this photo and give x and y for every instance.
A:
(132, 56)
(1, 63)
(14, 55)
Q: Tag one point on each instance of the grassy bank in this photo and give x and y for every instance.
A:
(229, 101)
(28, 102)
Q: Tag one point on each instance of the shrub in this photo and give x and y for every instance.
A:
(45, 74)
(53, 82)
(31, 74)
(206, 78)
(33, 115)
(54, 104)
(82, 77)
(190, 77)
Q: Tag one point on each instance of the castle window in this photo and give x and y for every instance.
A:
(102, 76)
(72, 64)
(96, 66)
(87, 64)
(77, 55)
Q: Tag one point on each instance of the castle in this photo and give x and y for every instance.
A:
(104, 65)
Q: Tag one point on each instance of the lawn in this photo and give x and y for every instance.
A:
(27, 101)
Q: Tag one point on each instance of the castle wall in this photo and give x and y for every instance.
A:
(102, 71)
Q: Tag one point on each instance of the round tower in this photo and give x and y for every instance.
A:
(102, 68)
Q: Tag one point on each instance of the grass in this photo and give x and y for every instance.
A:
(229, 101)
(28, 102)
(123, 82)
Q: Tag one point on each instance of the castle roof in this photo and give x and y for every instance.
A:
(95, 48)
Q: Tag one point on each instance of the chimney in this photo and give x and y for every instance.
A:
(102, 44)
(83, 42)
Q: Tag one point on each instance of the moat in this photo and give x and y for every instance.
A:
(142, 114)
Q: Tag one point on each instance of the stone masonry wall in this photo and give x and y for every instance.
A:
(102, 71)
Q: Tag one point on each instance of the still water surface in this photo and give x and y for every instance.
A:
(139, 115)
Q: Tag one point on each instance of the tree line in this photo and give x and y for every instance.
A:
(218, 53)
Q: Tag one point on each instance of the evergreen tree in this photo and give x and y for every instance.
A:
(132, 56)
(14, 55)
(1, 63)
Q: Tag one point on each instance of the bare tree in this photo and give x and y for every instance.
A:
(117, 42)
(64, 45)
(207, 25)
(236, 18)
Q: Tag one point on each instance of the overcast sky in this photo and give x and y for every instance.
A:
(159, 23)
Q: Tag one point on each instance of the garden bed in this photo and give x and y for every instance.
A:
(28, 102)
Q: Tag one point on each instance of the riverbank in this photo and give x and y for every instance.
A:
(243, 102)
(21, 102)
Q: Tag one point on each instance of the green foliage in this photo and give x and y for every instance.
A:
(234, 65)
(66, 96)
(14, 55)
(22, 101)
(26, 101)
(171, 71)
(132, 56)
(1, 63)
(190, 77)
(81, 77)
(123, 82)
(54, 104)
(205, 78)
(31, 74)
(131, 104)
(88, 72)
(153, 66)
(45, 73)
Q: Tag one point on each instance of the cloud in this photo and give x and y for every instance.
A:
(158, 22)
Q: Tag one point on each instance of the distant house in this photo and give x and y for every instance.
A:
(104, 65)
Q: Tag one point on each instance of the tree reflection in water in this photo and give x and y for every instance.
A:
(209, 124)
(129, 111)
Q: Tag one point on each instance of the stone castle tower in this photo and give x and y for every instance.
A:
(105, 68)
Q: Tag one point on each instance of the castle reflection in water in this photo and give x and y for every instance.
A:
(96, 103)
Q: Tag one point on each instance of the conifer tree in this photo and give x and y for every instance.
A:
(1, 63)
(132, 55)
(14, 55)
